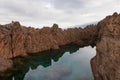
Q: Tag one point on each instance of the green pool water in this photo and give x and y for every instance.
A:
(68, 63)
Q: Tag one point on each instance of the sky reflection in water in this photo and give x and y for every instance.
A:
(75, 66)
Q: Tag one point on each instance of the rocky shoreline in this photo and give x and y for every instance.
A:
(17, 40)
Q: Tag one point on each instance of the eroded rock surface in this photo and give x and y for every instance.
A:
(106, 63)
(5, 64)
(17, 40)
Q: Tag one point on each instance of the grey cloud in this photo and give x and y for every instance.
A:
(68, 5)
(21, 8)
(56, 72)
(63, 12)
(24, 10)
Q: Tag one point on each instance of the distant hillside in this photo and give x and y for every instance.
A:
(84, 25)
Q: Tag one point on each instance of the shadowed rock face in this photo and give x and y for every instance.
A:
(5, 64)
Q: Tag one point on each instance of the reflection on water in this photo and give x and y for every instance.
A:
(68, 63)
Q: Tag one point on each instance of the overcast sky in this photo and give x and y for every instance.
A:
(66, 13)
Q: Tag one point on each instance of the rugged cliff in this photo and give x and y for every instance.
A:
(17, 40)
(106, 63)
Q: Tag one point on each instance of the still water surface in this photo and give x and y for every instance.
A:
(68, 63)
